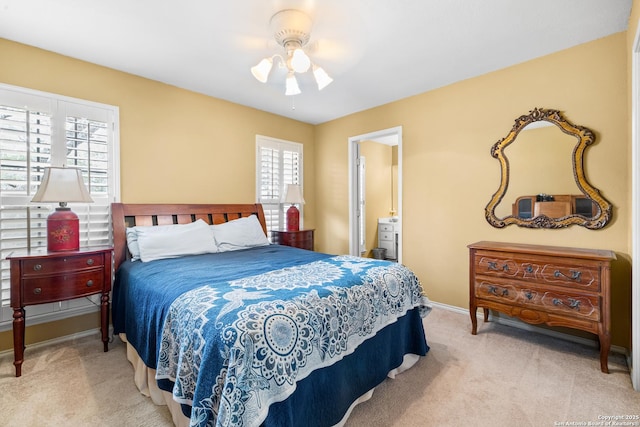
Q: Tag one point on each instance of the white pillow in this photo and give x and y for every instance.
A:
(241, 233)
(132, 243)
(172, 241)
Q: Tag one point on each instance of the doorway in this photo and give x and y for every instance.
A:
(358, 228)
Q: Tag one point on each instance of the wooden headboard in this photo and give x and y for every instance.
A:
(128, 215)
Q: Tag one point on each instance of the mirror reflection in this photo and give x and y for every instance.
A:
(543, 184)
(540, 164)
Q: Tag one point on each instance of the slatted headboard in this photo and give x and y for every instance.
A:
(128, 215)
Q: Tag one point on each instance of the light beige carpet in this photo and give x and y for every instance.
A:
(501, 377)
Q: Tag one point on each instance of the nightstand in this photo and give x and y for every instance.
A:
(39, 277)
(302, 239)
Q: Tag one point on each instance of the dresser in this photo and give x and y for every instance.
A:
(556, 286)
(302, 239)
(388, 229)
(39, 277)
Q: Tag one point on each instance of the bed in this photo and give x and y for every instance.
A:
(247, 333)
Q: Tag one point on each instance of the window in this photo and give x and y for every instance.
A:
(278, 163)
(39, 129)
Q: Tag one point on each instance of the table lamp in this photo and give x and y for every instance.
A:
(62, 185)
(293, 196)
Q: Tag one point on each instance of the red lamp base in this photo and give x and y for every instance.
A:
(293, 219)
(63, 231)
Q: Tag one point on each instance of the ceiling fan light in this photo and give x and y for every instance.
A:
(321, 76)
(300, 62)
(261, 71)
(291, 85)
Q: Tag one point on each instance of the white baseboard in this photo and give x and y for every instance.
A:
(516, 323)
(58, 340)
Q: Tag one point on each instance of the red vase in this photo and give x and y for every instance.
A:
(63, 231)
(293, 219)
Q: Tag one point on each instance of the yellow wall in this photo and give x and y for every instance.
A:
(175, 145)
(167, 155)
(449, 175)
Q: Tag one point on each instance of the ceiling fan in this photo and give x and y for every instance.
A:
(291, 29)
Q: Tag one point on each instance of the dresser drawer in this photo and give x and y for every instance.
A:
(583, 306)
(558, 272)
(385, 236)
(302, 239)
(298, 236)
(61, 264)
(38, 290)
(303, 244)
(385, 227)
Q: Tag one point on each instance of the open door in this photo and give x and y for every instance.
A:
(357, 188)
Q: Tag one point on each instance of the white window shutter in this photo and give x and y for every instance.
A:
(86, 138)
(278, 163)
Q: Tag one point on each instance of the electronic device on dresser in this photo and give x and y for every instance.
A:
(39, 277)
(557, 286)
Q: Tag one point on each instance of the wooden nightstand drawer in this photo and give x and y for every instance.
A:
(43, 289)
(302, 239)
(59, 265)
(299, 236)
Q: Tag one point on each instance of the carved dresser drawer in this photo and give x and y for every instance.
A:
(556, 286)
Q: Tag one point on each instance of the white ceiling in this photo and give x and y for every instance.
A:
(377, 51)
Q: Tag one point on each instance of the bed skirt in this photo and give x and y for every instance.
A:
(144, 378)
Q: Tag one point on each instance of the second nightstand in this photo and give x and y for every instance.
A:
(302, 239)
(40, 277)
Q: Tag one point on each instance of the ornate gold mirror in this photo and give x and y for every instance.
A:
(543, 183)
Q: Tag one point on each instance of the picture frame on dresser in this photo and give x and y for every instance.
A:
(539, 284)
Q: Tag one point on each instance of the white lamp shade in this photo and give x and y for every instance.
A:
(321, 76)
(300, 62)
(62, 185)
(291, 87)
(293, 195)
(261, 71)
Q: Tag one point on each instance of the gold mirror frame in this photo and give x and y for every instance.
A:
(585, 138)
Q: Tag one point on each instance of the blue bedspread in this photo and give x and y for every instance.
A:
(233, 334)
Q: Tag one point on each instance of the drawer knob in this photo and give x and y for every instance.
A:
(494, 290)
(573, 303)
(37, 267)
(90, 261)
(37, 291)
(89, 283)
(575, 275)
(493, 265)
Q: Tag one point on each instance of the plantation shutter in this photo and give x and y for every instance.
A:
(279, 163)
(38, 130)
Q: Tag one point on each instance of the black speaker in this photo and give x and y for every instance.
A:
(584, 207)
(525, 208)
